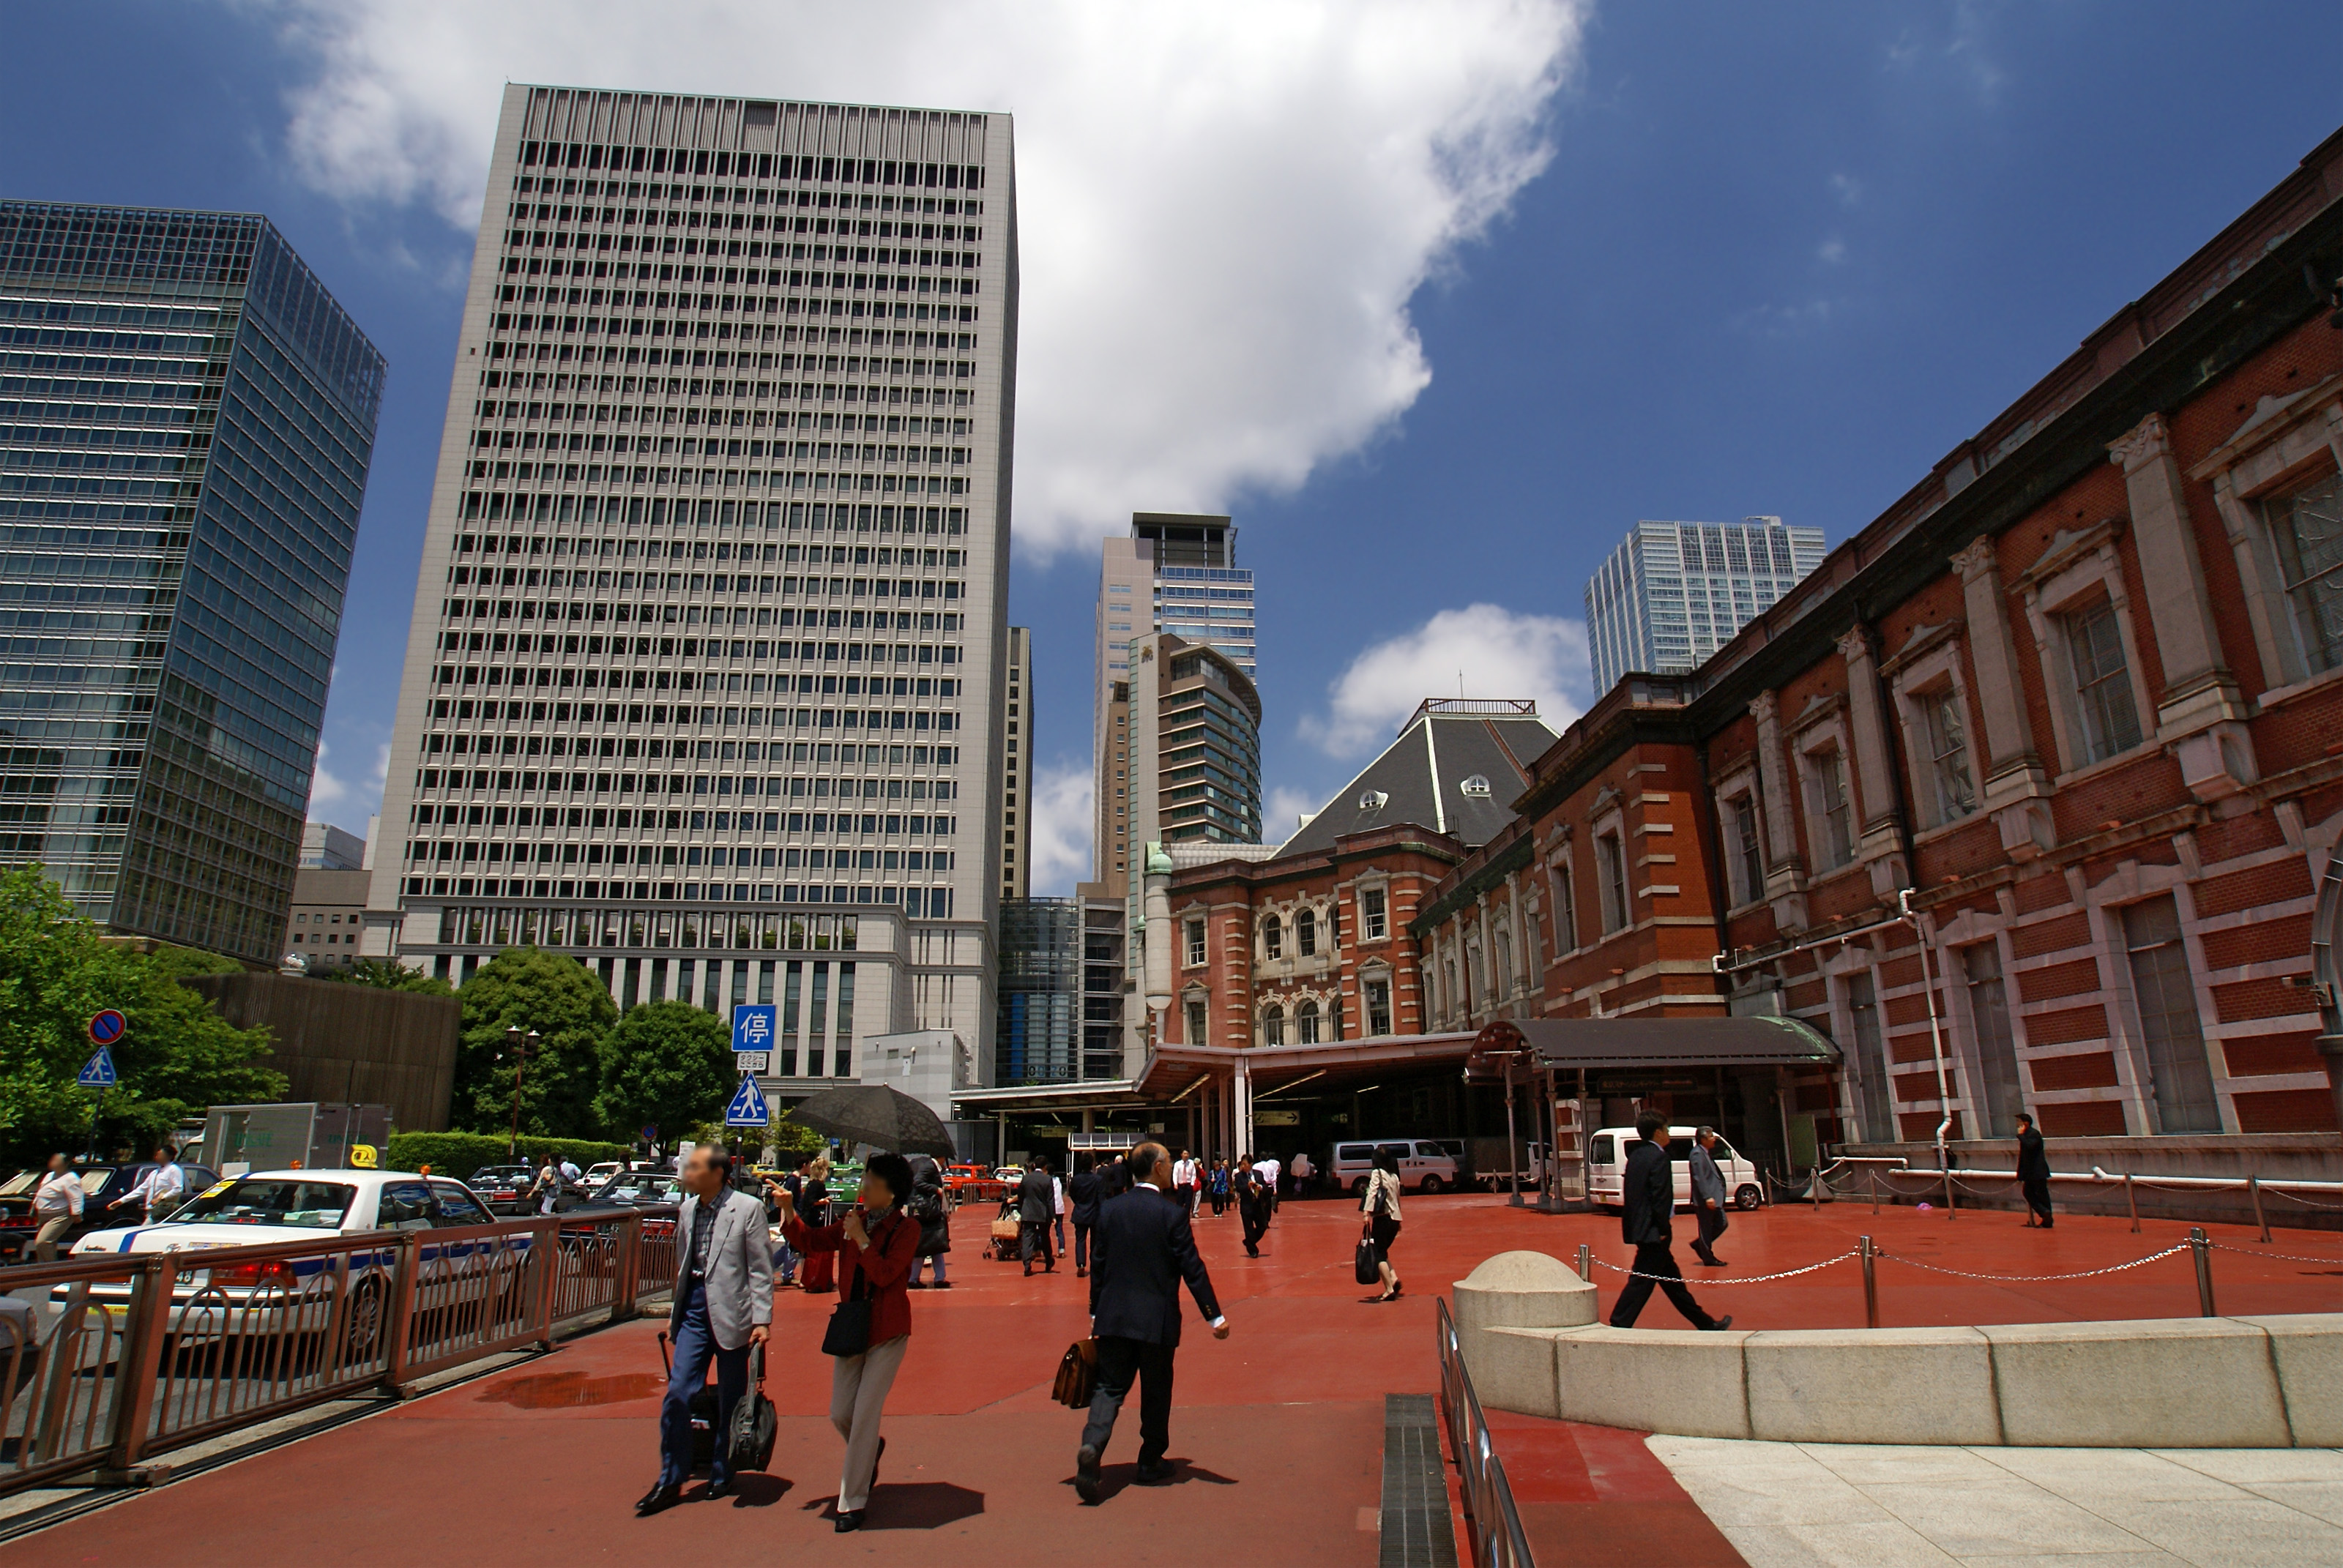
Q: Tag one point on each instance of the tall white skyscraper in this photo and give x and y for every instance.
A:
(704, 682)
(1176, 573)
(1673, 593)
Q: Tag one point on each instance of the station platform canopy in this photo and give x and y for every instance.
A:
(1596, 1043)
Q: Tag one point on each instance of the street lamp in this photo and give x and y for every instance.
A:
(520, 1044)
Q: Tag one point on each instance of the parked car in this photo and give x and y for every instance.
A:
(973, 1184)
(298, 1294)
(101, 1185)
(1607, 1168)
(638, 1190)
(505, 1188)
(1425, 1164)
(597, 1174)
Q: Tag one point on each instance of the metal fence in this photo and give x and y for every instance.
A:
(108, 1361)
(1490, 1516)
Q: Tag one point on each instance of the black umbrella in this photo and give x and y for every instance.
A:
(875, 1114)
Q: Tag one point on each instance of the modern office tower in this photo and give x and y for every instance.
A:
(1104, 935)
(1016, 780)
(1177, 572)
(1673, 593)
(185, 430)
(704, 681)
(1041, 991)
(325, 848)
(1111, 795)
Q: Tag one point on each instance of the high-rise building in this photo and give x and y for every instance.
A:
(1041, 991)
(185, 432)
(1176, 573)
(325, 848)
(704, 681)
(1016, 781)
(1671, 593)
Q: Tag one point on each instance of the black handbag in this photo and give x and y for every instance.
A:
(750, 1444)
(848, 1334)
(1363, 1265)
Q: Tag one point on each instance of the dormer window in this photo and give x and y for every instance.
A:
(1478, 786)
(1372, 800)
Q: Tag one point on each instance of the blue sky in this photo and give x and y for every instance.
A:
(1724, 260)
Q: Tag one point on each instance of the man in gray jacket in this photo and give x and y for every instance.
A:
(1707, 1197)
(723, 1305)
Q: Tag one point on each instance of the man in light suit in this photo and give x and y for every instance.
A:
(723, 1305)
(1141, 1252)
(1707, 1197)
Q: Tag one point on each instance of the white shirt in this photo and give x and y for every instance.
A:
(1057, 1196)
(59, 1194)
(1267, 1170)
(1183, 1173)
(569, 1171)
(1300, 1167)
(161, 1183)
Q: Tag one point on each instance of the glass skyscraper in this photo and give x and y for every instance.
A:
(1673, 593)
(1040, 991)
(187, 416)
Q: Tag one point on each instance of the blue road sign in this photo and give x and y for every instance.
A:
(748, 1108)
(97, 1073)
(753, 1026)
(106, 1026)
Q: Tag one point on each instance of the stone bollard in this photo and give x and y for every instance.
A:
(1516, 1290)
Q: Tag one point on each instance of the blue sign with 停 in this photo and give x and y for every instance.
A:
(753, 1026)
(97, 1073)
(748, 1108)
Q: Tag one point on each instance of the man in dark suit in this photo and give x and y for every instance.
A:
(1142, 1251)
(1082, 1187)
(2034, 1171)
(1036, 1206)
(1253, 1206)
(1648, 1195)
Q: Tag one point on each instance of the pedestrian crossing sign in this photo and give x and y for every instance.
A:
(97, 1073)
(748, 1108)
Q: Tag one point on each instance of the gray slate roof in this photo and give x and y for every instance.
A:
(1422, 775)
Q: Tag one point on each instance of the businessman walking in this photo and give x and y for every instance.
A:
(1649, 1196)
(1037, 1202)
(1142, 1251)
(723, 1304)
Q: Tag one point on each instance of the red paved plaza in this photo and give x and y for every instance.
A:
(1279, 1430)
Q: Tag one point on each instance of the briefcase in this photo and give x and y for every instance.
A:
(750, 1444)
(1077, 1375)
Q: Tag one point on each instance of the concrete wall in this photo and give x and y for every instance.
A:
(2167, 1383)
(2272, 1156)
(362, 1044)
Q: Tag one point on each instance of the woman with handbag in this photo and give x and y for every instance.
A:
(1379, 1228)
(929, 1208)
(816, 1275)
(870, 1327)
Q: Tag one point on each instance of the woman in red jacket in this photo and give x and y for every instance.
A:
(875, 1244)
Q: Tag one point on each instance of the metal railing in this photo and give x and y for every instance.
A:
(1492, 1521)
(109, 1361)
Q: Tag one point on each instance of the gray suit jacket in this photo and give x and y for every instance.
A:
(740, 1269)
(1708, 1181)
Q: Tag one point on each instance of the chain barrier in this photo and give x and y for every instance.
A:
(2282, 1192)
(2037, 1279)
(2282, 1257)
(1708, 1279)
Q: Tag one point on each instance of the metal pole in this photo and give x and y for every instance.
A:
(2131, 1201)
(1935, 1044)
(1586, 1261)
(2254, 1185)
(1512, 1144)
(2202, 1246)
(1870, 1283)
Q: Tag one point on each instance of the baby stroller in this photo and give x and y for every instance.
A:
(1005, 1231)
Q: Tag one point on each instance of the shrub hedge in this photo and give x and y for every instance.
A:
(459, 1154)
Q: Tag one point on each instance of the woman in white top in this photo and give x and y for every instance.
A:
(1380, 1205)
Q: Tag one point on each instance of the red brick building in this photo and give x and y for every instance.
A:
(2040, 774)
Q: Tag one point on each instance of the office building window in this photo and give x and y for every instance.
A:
(1948, 754)
(2109, 719)
(1196, 1012)
(1371, 919)
(2307, 528)
(2169, 1019)
(1272, 1025)
(1996, 1045)
(1611, 864)
(1192, 935)
(1272, 937)
(1379, 1013)
(1305, 1023)
(1829, 807)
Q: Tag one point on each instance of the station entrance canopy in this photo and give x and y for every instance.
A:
(1631, 1044)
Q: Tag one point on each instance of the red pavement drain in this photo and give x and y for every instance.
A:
(1278, 1429)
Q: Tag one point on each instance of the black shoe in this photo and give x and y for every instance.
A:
(1029, 1271)
(658, 1499)
(718, 1490)
(943, 1285)
(846, 1522)
(1050, 1268)
(1160, 1473)
(1721, 1324)
(1086, 1473)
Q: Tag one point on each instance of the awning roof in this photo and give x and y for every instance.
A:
(1172, 1069)
(1613, 1042)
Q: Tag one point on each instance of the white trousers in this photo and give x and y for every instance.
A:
(858, 1397)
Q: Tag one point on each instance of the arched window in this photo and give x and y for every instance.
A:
(1306, 930)
(1273, 938)
(1305, 1023)
(1272, 1026)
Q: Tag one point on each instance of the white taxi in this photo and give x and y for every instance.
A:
(297, 1293)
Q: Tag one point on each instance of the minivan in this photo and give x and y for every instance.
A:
(1607, 1168)
(1425, 1165)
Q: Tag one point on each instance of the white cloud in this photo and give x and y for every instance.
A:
(336, 799)
(1832, 251)
(1847, 188)
(1490, 650)
(1058, 835)
(1238, 199)
(1287, 805)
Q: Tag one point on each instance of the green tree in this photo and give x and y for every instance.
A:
(176, 1057)
(668, 1065)
(389, 974)
(563, 1001)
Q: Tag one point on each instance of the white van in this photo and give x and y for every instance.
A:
(1424, 1165)
(1607, 1168)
